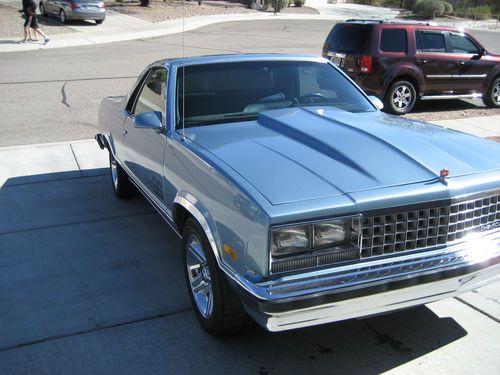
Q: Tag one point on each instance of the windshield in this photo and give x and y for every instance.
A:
(238, 91)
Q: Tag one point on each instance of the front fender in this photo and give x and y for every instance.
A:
(201, 214)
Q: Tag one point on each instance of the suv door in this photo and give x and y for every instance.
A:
(144, 149)
(470, 70)
(435, 64)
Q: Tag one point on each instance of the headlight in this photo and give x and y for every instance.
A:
(330, 233)
(289, 240)
(315, 243)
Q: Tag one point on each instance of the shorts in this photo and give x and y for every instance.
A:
(33, 23)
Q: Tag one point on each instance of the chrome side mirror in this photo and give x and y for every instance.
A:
(148, 120)
(376, 102)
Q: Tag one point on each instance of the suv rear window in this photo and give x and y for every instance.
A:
(350, 38)
(393, 40)
(430, 41)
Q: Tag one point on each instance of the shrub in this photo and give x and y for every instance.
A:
(247, 3)
(391, 3)
(299, 3)
(409, 4)
(281, 4)
(482, 12)
(448, 8)
(430, 8)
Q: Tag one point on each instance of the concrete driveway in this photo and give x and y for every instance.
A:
(90, 284)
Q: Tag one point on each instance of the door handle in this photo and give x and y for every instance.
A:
(124, 132)
(421, 62)
(461, 62)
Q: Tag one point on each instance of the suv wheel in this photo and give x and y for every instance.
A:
(492, 96)
(400, 98)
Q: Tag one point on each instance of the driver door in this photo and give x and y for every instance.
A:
(144, 149)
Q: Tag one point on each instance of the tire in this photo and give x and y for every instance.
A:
(217, 308)
(98, 22)
(400, 98)
(62, 16)
(122, 186)
(492, 96)
(43, 12)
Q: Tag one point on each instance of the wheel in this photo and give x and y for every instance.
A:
(400, 98)
(42, 10)
(217, 308)
(62, 16)
(492, 96)
(99, 21)
(122, 186)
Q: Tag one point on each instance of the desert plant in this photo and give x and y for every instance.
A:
(448, 8)
(430, 8)
(247, 3)
(482, 12)
(299, 3)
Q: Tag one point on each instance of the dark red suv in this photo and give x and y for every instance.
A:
(400, 62)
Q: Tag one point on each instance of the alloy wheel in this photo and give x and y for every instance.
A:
(495, 94)
(401, 97)
(114, 173)
(199, 276)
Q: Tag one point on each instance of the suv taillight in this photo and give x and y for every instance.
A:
(73, 6)
(366, 64)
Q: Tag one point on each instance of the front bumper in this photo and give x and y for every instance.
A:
(374, 287)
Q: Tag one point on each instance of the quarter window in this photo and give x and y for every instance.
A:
(462, 44)
(430, 41)
(393, 40)
(152, 96)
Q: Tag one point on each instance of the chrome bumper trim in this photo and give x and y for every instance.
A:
(381, 285)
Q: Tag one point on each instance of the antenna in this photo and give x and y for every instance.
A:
(183, 72)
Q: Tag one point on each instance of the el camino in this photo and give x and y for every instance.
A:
(297, 200)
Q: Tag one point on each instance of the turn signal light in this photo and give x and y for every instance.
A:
(366, 64)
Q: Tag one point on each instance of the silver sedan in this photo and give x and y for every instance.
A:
(74, 10)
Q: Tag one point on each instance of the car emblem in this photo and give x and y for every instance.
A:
(443, 173)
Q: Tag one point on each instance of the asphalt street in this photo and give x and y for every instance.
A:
(63, 87)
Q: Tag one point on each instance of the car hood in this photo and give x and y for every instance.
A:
(297, 154)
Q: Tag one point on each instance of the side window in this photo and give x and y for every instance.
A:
(393, 40)
(462, 44)
(152, 96)
(429, 41)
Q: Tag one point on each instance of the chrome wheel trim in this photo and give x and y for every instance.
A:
(495, 94)
(62, 16)
(401, 97)
(114, 173)
(200, 280)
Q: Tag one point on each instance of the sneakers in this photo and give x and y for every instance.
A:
(46, 40)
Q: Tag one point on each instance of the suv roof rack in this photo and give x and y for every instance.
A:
(393, 21)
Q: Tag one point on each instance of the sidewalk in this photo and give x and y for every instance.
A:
(120, 27)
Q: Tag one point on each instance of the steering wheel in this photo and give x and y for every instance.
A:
(314, 97)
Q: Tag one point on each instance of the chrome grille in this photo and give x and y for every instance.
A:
(417, 229)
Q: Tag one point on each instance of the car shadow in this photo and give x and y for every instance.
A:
(78, 262)
(450, 105)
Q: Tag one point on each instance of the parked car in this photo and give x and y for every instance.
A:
(298, 202)
(402, 62)
(68, 10)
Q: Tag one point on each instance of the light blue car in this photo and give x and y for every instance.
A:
(298, 202)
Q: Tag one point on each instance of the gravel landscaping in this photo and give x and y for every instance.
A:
(11, 24)
(159, 11)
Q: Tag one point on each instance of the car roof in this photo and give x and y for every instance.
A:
(423, 25)
(243, 57)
